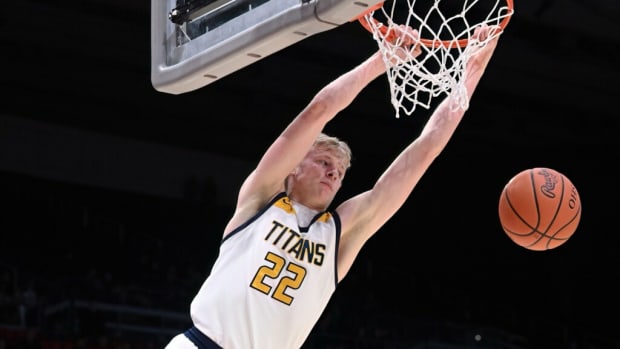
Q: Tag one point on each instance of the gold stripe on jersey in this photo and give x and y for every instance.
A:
(285, 204)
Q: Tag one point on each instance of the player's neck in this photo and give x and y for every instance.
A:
(298, 199)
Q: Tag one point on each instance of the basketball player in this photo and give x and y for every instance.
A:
(283, 251)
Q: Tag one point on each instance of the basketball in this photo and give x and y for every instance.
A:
(539, 209)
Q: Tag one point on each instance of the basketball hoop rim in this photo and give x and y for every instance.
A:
(462, 43)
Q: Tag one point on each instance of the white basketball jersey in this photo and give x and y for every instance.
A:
(272, 279)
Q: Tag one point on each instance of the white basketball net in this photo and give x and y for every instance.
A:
(447, 45)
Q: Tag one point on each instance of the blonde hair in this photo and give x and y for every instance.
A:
(324, 141)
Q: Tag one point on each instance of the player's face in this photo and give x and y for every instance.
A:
(320, 176)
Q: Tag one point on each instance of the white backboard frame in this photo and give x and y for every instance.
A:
(178, 68)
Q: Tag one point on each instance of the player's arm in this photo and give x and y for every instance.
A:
(365, 213)
(287, 151)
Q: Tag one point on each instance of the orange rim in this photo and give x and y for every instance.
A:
(426, 42)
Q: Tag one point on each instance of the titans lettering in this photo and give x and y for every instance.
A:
(291, 242)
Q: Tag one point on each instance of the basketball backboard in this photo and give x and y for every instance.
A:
(197, 42)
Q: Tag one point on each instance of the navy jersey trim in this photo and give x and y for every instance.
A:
(200, 339)
(338, 224)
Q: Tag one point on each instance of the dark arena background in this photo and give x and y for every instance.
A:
(114, 195)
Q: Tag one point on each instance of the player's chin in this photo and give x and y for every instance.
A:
(328, 195)
(328, 191)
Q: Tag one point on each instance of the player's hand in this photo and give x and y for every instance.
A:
(485, 33)
(488, 37)
(406, 43)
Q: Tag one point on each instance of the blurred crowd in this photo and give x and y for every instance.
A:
(82, 268)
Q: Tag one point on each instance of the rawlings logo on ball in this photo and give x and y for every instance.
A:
(549, 186)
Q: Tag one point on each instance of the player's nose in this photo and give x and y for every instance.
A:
(332, 174)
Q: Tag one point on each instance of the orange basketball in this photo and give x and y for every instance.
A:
(539, 209)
